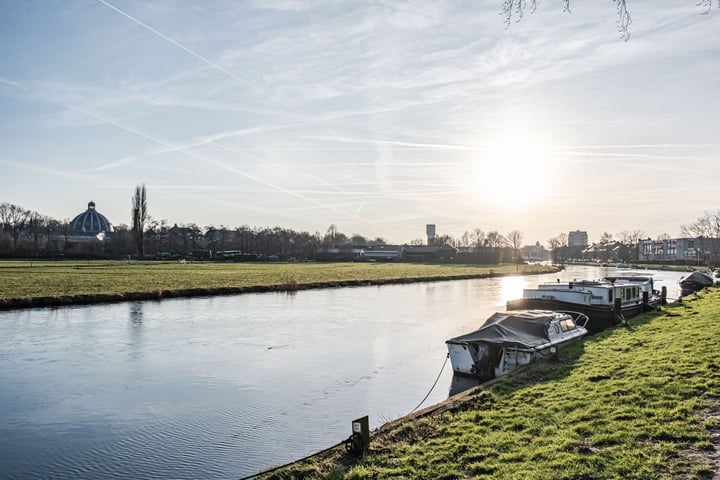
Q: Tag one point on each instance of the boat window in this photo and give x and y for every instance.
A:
(567, 325)
(610, 299)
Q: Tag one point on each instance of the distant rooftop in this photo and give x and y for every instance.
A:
(90, 222)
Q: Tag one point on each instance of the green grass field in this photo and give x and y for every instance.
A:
(629, 403)
(26, 279)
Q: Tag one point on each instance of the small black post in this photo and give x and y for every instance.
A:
(663, 295)
(361, 436)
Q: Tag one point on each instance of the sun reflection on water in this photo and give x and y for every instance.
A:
(511, 288)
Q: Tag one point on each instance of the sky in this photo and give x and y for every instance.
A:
(378, 117)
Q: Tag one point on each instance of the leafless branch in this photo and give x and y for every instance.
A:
(515, 9)
(707, 4)
(624, 19)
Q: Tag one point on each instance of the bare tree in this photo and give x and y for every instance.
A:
(478, 237)
(330, 236)
(139, 218)
(715, 234)
(494, 240)
(630, 237)
(702, 229)
(514, 239)
(514, 10)
(564, 240)
(14, 220)
(38, 227)
(554, 245)
(630, 240)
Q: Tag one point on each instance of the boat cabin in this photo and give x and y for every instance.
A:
(587, 292)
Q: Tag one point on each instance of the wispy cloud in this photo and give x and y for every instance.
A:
(354, 112)
(210, 161)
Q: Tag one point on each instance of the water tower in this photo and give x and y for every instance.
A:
(430, 231)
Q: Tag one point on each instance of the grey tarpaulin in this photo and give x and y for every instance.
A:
(518, 329)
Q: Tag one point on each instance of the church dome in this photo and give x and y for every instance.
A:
(90, 222)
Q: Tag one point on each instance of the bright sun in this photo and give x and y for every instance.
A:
(511, 173)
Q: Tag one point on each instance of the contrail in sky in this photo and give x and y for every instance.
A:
(190, 154)
(232, 75)
(205, 159)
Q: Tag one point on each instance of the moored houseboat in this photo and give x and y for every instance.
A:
(607, 302)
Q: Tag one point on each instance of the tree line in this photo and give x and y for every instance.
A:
(27, 233)
(24, 232)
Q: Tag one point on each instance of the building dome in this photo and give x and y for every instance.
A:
(90, 222)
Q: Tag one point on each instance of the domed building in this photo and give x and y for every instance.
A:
(90, 223)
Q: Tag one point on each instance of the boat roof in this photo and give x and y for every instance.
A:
(630, 276)
(525, 328)
(698, 277)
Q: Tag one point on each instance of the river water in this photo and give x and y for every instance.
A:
(224, 387)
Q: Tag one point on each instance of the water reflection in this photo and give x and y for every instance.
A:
(136, 348)
(460, 384)
(136, 313)
(511, 288)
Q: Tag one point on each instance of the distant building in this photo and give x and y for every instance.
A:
(535, 253)
(430, 231)
(90, 223)
(429, 253)
(388, 253)
(578, 238)
(681, 250)
(87, 233)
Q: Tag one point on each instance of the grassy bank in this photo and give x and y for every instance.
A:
(65, 282)
(640, 402)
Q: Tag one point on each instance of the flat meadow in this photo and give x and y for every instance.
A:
(83, 279)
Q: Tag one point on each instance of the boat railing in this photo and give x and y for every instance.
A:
(577, 317)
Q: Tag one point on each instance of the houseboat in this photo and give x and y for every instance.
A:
(607, 302)
(508, 340)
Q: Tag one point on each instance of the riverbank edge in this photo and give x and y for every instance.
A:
(291, 287)
(474, 398)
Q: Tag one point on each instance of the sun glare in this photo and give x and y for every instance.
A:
(511, 173)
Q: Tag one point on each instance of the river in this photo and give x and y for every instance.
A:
(223, 387)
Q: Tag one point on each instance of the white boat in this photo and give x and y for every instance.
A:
(508, 340)
(607, 302)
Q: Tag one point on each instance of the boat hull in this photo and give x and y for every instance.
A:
(600, 317)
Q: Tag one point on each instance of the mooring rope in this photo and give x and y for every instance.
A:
(265, 472)
(433, 385)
